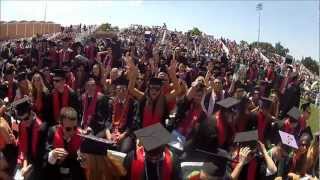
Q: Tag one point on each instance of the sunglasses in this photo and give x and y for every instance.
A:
(68, 129)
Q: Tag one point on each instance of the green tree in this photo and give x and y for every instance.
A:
(311, 64)
(195, 31)
(105, 27)
(280, 49)
(265, 46)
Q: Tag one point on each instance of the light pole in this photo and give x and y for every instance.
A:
(259, 9)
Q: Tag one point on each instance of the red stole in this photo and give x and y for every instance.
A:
(137, 166)
(120, 112)
(150, 118)
(171, 104)
(38, 103)
(73, 145)
(302, 123)
(71, 80)
(252, 167)
(56, 101)
(287, 127)
(261, 125)
(191, 118)
(53, 55)
(10, 94)
(270, 74)
(88, 111)
(220, 128)
(23, 140)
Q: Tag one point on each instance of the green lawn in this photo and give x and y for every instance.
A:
(314, 120)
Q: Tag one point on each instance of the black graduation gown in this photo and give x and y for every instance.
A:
(102, 117)
(37, 161)
(152, 168)
(52, 172)
(290, 98)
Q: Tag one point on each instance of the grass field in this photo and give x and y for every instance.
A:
(314, 120)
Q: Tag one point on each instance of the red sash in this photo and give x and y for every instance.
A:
(150, 118)
(261, 126)
(220, 128)
(23, 140)
(56, 101)
(38, 103)
(190, 120)
(302, 123)
(71, 80)
(10, 92)
(287, 127)
(120, 112)
(73, 145)
(252, 167)
(88, 111)
(137, 166)
(270, 74)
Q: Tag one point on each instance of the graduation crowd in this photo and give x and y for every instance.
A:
(147, 103)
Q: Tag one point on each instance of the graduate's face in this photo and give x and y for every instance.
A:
(91, 87)
(154, 91)
(121, 90)
(96, 70)
(69, 127)
(58, 83)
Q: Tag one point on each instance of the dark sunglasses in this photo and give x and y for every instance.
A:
(68, 129)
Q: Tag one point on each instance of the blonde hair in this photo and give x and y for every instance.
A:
(100, 167)
(34, 89)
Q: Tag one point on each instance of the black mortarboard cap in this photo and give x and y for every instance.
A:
(247, 138)
(94, 145)
(153, 137)
(59, 73)
(294, 113)
(228, 102)
(155, 81)
(22, 76)
(266, 102)
(66, 39)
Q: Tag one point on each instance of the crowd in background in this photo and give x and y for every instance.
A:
(202, 89)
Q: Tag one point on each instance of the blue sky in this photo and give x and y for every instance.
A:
(294, 23)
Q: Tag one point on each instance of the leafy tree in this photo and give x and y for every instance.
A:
(280, 49)
(265, 46)
(195, 31)
(311, 64)
(105, 27)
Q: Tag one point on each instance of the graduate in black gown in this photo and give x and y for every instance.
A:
(62, 96)
(61, 149)
(31, 140)
(153, 160)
